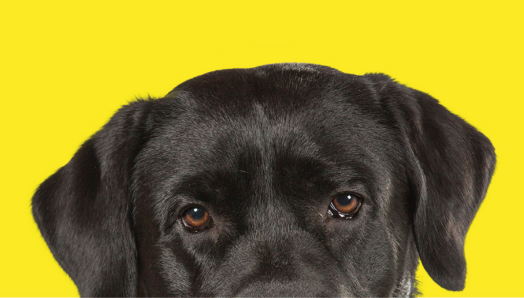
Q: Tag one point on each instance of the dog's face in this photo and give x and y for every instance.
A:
(282, 180)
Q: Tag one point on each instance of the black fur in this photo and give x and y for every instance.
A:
(265, 150)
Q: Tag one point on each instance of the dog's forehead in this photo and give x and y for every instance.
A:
(286, 117)
(281, 101)
(300, 94)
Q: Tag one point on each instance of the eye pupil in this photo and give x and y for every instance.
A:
(345, 200)
(197, 213)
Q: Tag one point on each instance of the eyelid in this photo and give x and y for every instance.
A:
(358, 187)
(185, 201)
(182, 208)
(358, 192)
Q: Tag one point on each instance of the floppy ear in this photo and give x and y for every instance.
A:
(451, 165)
(84, 210)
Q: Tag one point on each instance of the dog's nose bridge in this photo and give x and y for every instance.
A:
(283, 270)
(275, 261)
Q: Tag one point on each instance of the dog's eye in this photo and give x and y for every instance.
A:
(196, 219)
(345, 206)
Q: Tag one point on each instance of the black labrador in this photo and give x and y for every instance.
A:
(280, 180)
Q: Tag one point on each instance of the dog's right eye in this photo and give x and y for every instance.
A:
(196, 219)
(345, 206)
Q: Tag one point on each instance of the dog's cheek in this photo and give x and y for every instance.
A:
(366, 255)
(170, 274)
(200, 255)
(174, 266)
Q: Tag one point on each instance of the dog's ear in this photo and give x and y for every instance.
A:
(84, 211)
(450, 165)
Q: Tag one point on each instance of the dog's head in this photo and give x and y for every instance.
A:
(281, 180)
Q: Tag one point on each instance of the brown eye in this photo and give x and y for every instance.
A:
(345, 206)
(196, 219)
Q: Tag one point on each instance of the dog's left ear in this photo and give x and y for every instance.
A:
(450, 165)
(84, 209)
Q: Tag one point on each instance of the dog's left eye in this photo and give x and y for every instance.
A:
(345, 206)
(196, 219)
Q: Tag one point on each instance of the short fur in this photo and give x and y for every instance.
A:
(265, 150)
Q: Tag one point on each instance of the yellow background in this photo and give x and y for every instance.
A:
(67, 66)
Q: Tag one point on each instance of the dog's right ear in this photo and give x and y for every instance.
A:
(450, 165)
(84, 211)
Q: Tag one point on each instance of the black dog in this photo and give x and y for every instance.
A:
(281, 180)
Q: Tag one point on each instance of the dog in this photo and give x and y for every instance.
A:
(279, 180)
